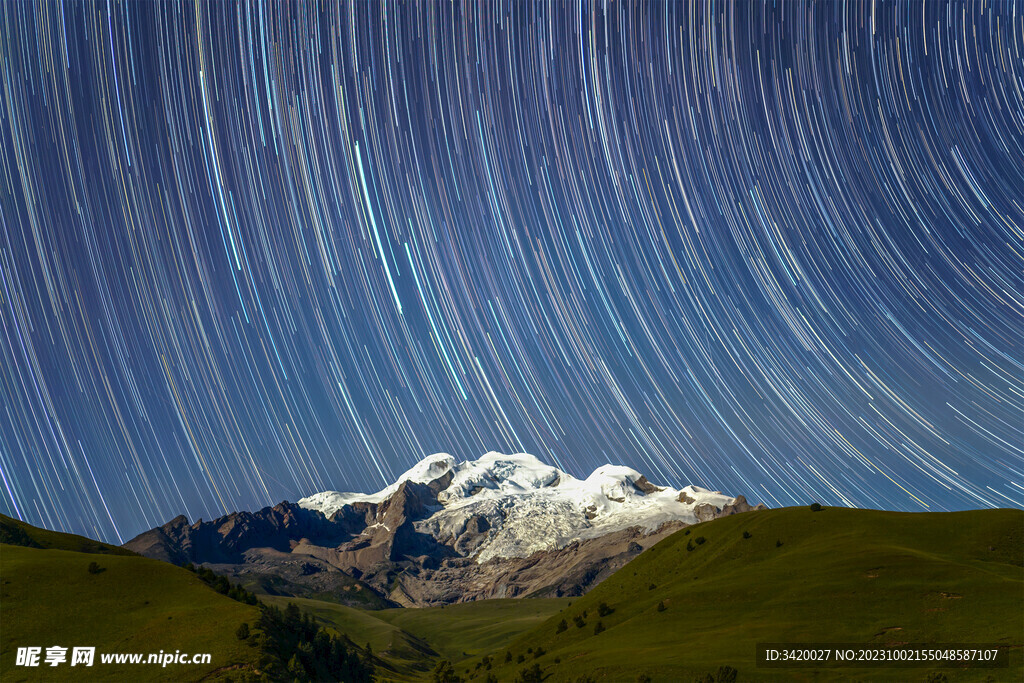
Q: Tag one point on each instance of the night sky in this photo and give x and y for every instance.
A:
(251, 252)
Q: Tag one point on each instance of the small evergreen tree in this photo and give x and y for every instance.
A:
(598, 627)
(746, 534)
(561, 626)
(815, 507)
(95, 568)
(295, 667)
(242, 632)
(661, 606)
(604, 610)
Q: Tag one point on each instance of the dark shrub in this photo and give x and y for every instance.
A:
(561, 626)
(444, 672)
(651, 587)
(538, 653)
(690, 545)
(532, 674)
(778, 544)
(95, 568)
(643, 678)
(746, 534)
(815, 507)
(604, 610)
(520, 658)
(242, 632)
(598, 627)
(726, 674)
(508, 657)
(578, 620)
(700, 540)
(661, 606)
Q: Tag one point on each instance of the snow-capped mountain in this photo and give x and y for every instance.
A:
(498, 527)
(530, 506)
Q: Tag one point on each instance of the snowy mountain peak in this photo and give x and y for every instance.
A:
(428, 469)
(521, 505)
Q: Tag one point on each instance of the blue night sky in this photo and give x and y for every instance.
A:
(250, 252)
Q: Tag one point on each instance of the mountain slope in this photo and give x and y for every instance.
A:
(839, 575)
(258, 551)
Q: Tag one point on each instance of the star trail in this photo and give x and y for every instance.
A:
(253, 251)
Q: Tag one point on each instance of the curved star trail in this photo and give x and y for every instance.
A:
(254, 251)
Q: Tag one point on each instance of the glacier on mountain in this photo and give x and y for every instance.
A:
(523, 505)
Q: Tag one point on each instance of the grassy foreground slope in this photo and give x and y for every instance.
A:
(48, 597)
(54, 595)
(837, 575)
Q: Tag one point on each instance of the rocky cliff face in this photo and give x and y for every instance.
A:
(502, 526)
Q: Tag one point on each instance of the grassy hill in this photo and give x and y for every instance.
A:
(837, 575)
(48, 597)
(16, 532)
(65, 590)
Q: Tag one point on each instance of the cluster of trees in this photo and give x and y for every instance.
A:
(12, 534)
(293, 646)
(222, 585)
